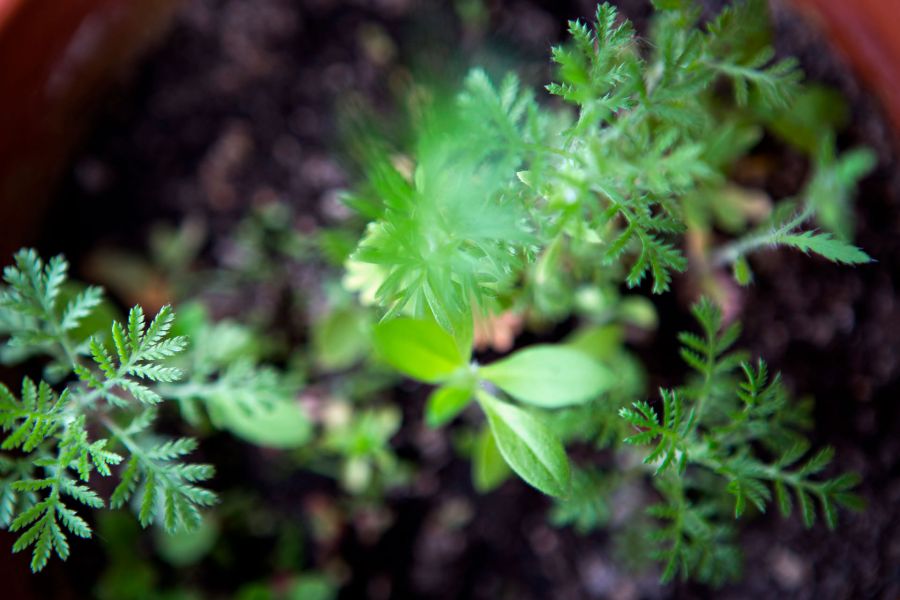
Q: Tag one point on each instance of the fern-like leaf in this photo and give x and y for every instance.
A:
(165, 488)
(669, 434)
(32, 420)
(827, 246)
(140, 352)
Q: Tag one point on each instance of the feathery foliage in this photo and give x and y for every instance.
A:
(56, 430)
(503, 189)
(140, 354)
(510, 206)
(671, 431)
(505, 205)
(740, 426)
(168, 487)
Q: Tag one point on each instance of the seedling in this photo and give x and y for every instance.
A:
(521, 206)
(548, 211)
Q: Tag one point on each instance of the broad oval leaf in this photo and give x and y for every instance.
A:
(549, 376)
(527, 446)
(445, 403)
(282, 425)
(417, 348)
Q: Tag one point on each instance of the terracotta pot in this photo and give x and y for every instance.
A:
(54, 59)
(867, 32)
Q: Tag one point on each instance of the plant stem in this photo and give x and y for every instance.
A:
(729, 253)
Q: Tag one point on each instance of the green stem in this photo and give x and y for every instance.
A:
(700, 456)
(729, 253)
(123, 437)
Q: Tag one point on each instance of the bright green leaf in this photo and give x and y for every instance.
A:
(549, 376)
(419, 349)
(527, 446)
(282, 425)
(741, 271)
(827, 246)
(445, 403)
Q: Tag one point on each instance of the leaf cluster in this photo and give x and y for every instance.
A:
(734, 432)
(542, 377)
(500, 189)
(52, 454)
(505, 205)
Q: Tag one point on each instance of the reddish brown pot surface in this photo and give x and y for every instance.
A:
(54, 58)
(867, 32)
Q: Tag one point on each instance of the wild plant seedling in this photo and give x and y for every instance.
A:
(56, 430)
(540, 210)
(92, 414)
(514, 206)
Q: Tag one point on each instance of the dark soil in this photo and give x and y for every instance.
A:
(238, 106)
